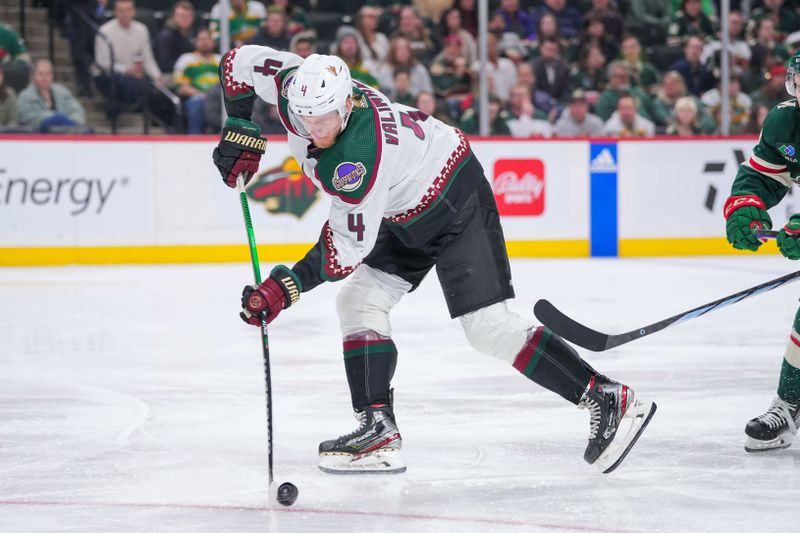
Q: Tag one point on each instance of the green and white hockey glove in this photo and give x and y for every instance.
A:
(789, 238)
(745, 215)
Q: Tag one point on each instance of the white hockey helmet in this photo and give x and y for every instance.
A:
(792, 72)
(321, 84)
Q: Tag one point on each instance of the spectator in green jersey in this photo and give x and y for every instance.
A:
(195, 73)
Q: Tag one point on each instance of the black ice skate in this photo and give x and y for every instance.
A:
(373, 448)
(775, 429)
(616, 419)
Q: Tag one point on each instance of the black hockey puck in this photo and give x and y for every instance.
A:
(287, 494)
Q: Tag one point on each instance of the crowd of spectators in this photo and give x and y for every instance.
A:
(563, 68)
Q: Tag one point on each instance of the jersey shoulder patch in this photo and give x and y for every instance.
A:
(781, 132)
(349, 168)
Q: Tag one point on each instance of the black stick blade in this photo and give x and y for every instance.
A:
(577, 333)
(569, 329)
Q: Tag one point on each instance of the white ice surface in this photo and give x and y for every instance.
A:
(132, 399)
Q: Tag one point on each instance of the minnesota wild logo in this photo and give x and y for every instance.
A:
(787, 150)
(284, 189)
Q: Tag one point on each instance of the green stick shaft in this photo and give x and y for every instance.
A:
(251, 239)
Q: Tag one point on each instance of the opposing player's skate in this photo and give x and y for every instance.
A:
(373, 448)
(775, 429)
(616, 419)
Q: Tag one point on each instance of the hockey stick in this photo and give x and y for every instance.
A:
(586, 337)
(251, 239)
(577, 333)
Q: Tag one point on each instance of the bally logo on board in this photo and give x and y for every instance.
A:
(519, 187)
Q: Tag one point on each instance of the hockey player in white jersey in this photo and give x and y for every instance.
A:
(407, 194)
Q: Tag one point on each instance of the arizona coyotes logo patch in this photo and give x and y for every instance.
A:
(284, 189)
(332, 70)
(348, 176)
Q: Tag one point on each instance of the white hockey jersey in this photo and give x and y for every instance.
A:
(392, 164)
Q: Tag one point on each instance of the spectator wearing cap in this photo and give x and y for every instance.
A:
(576, 121)
(196, 73)
(737, 46)
(348, 50)
(500, 69)
(515, 20)
(451, 25)
(244, 19)
(552, 72)
(303, 43)
(569, 19)
(424, 44)
(697, 76)
(589, 74)
(401, 57)
(297, 18)
(607, 11)
(174, 39)
(689, 21)
(784, 18)
(47, 106)
(773, 91)
(627, 122)
(273, 31)
(374, 44)
(8, 103)
(617, 86)
(521, 119)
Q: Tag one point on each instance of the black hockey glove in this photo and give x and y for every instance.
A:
(239, 151)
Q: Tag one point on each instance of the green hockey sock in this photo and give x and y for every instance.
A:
(552, 363)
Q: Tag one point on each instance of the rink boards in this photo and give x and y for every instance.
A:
(151, 199)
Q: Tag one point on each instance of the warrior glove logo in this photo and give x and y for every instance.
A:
(246, 142)
(348, 176)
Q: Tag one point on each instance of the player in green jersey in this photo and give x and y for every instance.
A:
(760, 184)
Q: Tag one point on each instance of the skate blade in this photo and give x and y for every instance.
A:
(386, 462)
(617, 451)
(781, 442)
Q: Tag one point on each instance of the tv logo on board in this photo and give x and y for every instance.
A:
(519, 187)
(603, 162)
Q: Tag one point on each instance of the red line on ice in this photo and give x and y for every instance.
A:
(300, 510)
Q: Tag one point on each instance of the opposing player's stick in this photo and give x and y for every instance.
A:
(577, 333)
(251, 239)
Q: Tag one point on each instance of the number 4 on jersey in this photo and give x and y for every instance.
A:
(410, 119)
(355, 223)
